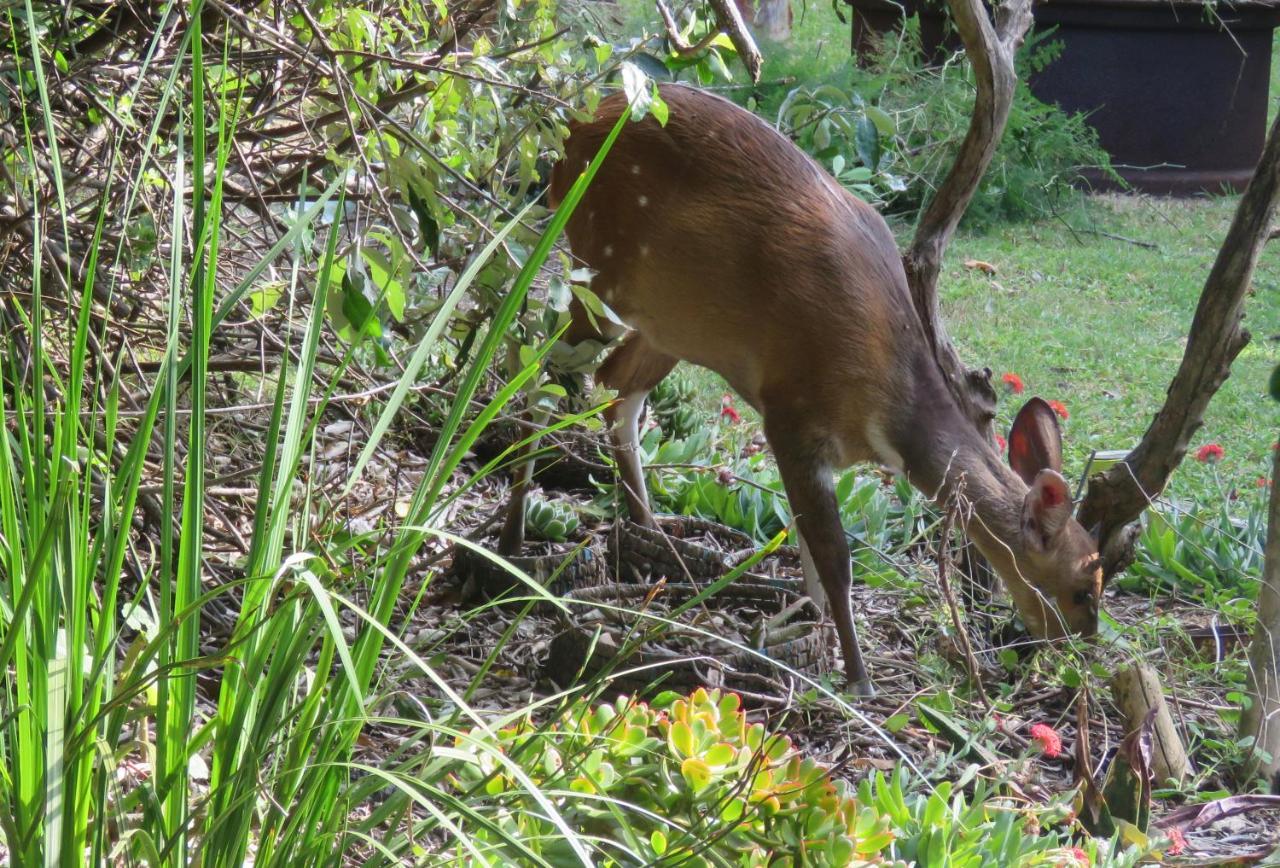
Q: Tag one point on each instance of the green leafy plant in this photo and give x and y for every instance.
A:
(1199, 549)
(671, 403)
(852, 139)
(681, 780)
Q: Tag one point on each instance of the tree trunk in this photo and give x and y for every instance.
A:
(1118, 496)
(1262, 718)
(991, 48)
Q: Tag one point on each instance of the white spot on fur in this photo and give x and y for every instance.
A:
(635, 168)
(642, 201)
(879, 444)
(608, 250)
(644, 249)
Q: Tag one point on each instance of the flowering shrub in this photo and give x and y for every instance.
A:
(690, 781)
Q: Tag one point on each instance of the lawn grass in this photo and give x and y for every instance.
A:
(1100, 324)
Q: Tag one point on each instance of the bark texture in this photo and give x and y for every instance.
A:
(1262, 718)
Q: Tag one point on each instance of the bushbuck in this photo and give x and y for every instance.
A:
(719, 242)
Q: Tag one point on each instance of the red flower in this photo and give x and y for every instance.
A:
(1080, 856)
(1060, 408)
(727, 410)
(1049, 739)
(1013, 383)
(1263, 482)
(1000, 441)
(1177, 842)
(1210, 453)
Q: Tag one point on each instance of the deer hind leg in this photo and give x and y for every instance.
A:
(633, 369)
(807, 479)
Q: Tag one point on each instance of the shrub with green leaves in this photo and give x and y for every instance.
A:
(689, 780)
(682, 780)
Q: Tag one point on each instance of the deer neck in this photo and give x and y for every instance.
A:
(945, 457)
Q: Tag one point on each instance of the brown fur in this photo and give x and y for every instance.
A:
(721, 243)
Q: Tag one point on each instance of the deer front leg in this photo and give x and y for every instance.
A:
(807, 479)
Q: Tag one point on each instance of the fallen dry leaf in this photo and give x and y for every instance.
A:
(984, 267)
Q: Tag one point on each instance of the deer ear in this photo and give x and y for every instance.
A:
(1046, 509)
(1035, 440)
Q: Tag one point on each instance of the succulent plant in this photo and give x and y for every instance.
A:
(671, 404)
(549, 520)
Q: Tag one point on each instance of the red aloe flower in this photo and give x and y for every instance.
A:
(1002, 443)
(1049, 739)
(1081, 857)
(728, 412)
(1210, 453)
(1013, 383)
(1177, 841)
(1060, 408)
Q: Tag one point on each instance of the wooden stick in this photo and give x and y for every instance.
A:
(1137, 691)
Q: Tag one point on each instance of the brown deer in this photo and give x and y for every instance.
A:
(720, 243)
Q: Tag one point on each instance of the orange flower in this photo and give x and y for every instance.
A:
(1049, 739)
(1060, 408)
(1013, 383)
(1177, 842)
(1210, 453)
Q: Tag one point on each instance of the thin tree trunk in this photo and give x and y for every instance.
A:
(1118, 496)
(1262, 718)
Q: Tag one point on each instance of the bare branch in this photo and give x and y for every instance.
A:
(730, 21)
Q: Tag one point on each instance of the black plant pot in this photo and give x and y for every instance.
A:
(1177, 90)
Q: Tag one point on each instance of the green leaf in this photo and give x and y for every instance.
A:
(696, 773)
(881, 118)
(868, 143)
(636, 86)
(661, 112)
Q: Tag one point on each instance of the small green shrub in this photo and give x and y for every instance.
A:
(690, 781)
(685, 780)
(1039, 157)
